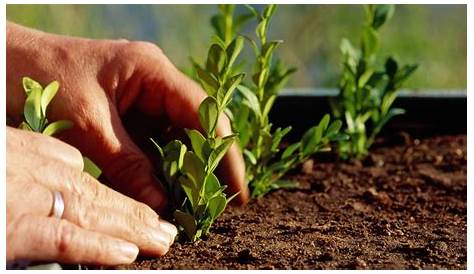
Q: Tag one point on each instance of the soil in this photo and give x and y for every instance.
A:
(404, 207)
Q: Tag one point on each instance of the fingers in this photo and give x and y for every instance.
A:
(94, 207)
(40, 238)
(102, 137)
(152, 235)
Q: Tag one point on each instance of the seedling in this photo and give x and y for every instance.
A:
(365, 93)
(194, 191)
(265, 165)
(35, 110)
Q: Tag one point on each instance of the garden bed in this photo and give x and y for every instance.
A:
(402, 208)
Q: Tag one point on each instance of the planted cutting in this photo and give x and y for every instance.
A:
(35, 118)
(265, 163)
(195, 193)
(366, 93)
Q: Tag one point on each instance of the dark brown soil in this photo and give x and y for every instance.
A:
(404, 207)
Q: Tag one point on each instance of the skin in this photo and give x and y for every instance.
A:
(101, 82)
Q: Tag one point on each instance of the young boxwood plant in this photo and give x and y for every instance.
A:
(34, 112)
(367, 93)
(195, 192)
(265, 164)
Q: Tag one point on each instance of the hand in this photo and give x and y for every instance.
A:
(101, 80)
(99, 225)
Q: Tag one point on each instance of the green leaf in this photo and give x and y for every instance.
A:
(370, 42)
(30, 84)
(217, 22)
(48, 94)
(209, 83)
(187, 222)
(286, 184)
(160, 150)
(404, 73)
(308, 142)
(219, 152)
(208, 115)
(216, 59)
(250, 99)
(269, 11)
(224, 96)
(25, 126)
(193, 168)
(290, 150)
(173, 159)
(390, 114)
(365, 77)
(382, 13)
(216, 206)
(253, 11)
(233, 50)
(57, 127)
(197, 142)
(322, 126)
(391, 67)
(211, 185)
(191, 189)
(91, 168)
(278, 136)
(32, 110)
(251, 158)
(333, 129)
(268, 106)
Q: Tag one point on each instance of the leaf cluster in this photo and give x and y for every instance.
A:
(265, 163)
(36, 105)
(196, 194)
(366, 93)
(35, 110)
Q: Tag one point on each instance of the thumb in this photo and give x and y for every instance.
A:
(102, 137)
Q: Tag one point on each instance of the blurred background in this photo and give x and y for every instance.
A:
(434, 36)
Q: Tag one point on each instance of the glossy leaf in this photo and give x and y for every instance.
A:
(32, 110)
(91, 168)
(48, 94)
(187, 222)
(29, 85)
(251, 100)
(57, 127)
(197, 142)
(208, 115)
(219, 152)
(216, 206)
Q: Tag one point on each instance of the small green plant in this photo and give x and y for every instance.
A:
(265, 164)
(366, 93)
(35, 110)
(195, 193)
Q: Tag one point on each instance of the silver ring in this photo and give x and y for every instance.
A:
(58, 205)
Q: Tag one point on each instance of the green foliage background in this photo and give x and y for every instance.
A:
(434, 36)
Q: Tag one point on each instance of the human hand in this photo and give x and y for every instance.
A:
(101, 81)
(99, 225)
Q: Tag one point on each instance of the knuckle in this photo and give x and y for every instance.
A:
(143, 47)
(65, 237)
(82, 212)
(93, 188)
(141, 211)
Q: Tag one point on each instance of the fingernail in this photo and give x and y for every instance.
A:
(160, 238)
(169, 228)
(126, 252)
